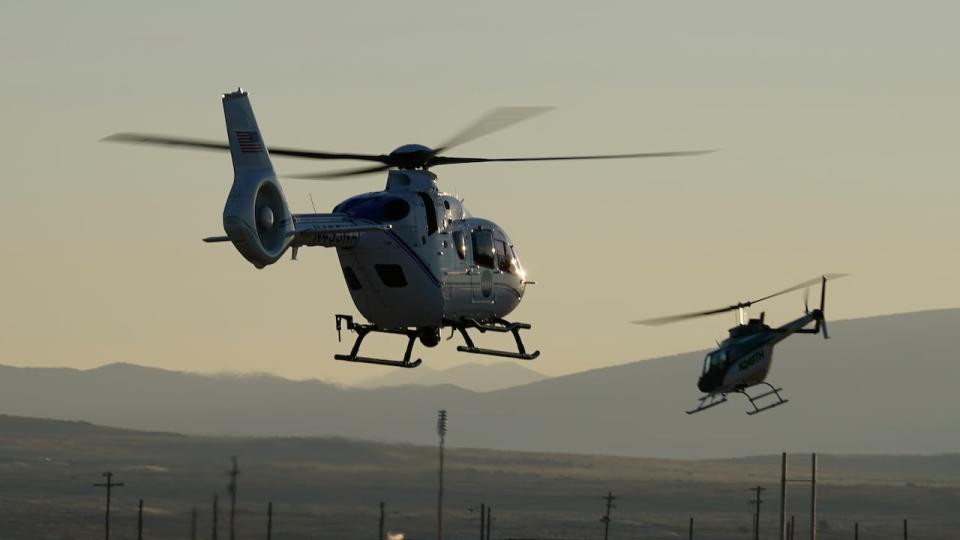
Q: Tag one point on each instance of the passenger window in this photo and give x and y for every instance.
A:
(352, 281)
(484, 253)
(391, 275)
(460, 242)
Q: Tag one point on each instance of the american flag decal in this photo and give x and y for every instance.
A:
(249, 142)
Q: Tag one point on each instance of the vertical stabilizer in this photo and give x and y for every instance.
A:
(256, 217)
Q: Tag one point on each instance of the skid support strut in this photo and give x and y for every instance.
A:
(362, 330)
(496, 325)
(707, 402)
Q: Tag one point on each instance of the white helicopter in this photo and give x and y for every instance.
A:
(743, 360)
(413, 258)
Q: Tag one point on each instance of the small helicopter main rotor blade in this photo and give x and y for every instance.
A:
(685, 316)
(799, 286)
(201, 144)
(339, 175)
(445, 160)
(495, 120)
(657, 321)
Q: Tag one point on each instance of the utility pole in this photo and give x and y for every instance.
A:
(793, 528)
(783, 497)
(856, 531)
(193, 524)
(232, 489)
(756, 515)
(813, 496)
(442, 432)
(216, 509)
(383, 534)
(483, 521)
(109, 484)
(905, 535)
(489, 519)
(140, 520)
(691, 529)
(606, 518)
(270, 519)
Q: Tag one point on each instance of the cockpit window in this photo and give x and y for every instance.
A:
(503, 257)
(378, 208)
(431, 210)
(484, 253)
(714, 360)
(460, 242)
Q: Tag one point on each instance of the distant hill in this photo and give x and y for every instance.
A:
(472, 376)
(881, 385)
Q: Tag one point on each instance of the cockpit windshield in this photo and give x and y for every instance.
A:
(509, 262)
(714, 360)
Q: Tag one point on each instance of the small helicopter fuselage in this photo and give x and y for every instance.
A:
(741, 361)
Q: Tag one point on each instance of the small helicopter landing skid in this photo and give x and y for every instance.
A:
(712, 400)
(496, 325)
(772, 392)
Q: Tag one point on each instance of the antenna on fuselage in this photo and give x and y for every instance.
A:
(311, 203)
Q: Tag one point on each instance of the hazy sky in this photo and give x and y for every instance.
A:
(837, 124)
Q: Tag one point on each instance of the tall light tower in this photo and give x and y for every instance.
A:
(442, 432)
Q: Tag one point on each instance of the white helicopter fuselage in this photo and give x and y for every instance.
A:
(434, 264)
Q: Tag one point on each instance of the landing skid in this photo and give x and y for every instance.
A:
(497, 325)
(707, 402)
(462, 325)
(362, 330)
(772, 392)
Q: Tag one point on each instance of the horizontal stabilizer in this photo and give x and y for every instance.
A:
(213, 239)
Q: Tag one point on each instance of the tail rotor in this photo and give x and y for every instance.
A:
(823, 316)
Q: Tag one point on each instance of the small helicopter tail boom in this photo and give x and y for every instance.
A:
(256, 217)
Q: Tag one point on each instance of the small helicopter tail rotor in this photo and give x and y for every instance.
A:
(823, 300)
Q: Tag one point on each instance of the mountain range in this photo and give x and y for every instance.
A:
(880, 385)
(471, 376)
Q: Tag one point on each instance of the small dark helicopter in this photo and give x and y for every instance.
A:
(743, 360)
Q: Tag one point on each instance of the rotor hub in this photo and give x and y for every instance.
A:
(412, 156)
